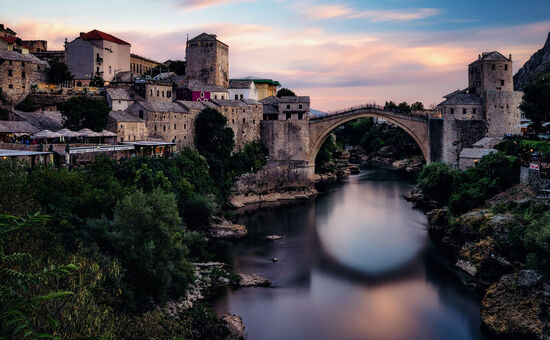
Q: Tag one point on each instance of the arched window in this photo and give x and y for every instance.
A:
(158, 93)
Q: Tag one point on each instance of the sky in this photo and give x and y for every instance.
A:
(341, 53)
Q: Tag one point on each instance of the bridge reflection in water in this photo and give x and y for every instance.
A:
(354, 263)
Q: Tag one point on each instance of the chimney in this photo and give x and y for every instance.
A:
(510, 57)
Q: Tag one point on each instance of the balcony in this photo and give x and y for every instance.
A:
(99, 60)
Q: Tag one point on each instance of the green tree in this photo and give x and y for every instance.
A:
(437, 181)
(417, 106)
(58, 73)
(20, 288)
(390, 105)
(284, 92)
(404, 107)
(178, 67)
(97, 81)
(536, 101)
(85, 112)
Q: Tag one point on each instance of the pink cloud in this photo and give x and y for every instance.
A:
(192, 5)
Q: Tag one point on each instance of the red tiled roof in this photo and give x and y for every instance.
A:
(9, 40)
(98, 35)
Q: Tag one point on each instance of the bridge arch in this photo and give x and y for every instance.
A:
(321, 127)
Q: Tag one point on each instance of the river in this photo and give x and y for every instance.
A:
(354, 263)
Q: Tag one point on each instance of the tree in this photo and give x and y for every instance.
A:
(212, 137)
(178, 67)
(437, 181)
(97, 81)
(84, 112)
(390, 105)
(536, 102)
(59, 73)
(417, 106)
(284, 92)
(404, 107)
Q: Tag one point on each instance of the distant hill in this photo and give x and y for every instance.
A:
(537, 65)
(317, 113)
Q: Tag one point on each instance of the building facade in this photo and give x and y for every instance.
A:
(97, 53)
(207, 60)
(286, 108)
(242, 89)
(128, 127)
(141, 66)
(6, 31)
(18, 73)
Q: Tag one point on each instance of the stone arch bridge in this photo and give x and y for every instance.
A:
(320, 127)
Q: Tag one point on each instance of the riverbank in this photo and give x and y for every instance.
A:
(491, 245)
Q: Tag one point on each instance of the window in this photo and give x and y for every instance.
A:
(464, 111)
(151, 93)
(452, 111)
(253, 121)
(10, 73)
(216, 96)
(79, 83)
(168, 94)
(232, 121)
(288, 107)
(162, 94)
(122, 126)
(155, 128)
(288, 116)
(174, 126)
(501, 82)
(119, 101)
(110, 69)
(122, 139)
(10, 86)
(202, 94)
(184, 126)
(300, 106)
(505, 67)
(9, 63)
(242, 96)
(474, 110)
(158, 93)
(23, 63)
(300, 116)
(141, 114)
(236, 96)
(164, 128)
(493, 67)
(244, 120)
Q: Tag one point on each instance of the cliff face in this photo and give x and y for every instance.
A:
(538, 64)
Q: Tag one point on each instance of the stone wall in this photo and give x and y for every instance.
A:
(467, 132)
(435, 133)
(502, 112)
(17, 78)
(286, 140)
(128, 131)
(491, 74)
(208, 62)
(158, 92)
(245, 122)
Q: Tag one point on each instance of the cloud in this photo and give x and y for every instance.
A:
(328, 11)
(193, 5)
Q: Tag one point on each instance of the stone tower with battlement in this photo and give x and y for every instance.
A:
(207, 60)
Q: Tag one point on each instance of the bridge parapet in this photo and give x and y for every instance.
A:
(374, 108)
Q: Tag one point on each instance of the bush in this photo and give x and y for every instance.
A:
(471, 196)
(85, 112)
(437, 181)
(537, 241)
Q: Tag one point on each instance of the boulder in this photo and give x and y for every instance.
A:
(235, 325)
(479, 259)
(224, 229)
(499, 226)
(515, 307)
(253, 280)
(273, 237)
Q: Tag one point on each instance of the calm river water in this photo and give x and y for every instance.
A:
(354, 263)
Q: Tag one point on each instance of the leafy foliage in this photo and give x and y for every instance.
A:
(85, 112)
(284, 92)
(536, 101)
(59, 73)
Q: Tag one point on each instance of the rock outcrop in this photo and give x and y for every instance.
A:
(537, 65)
(235, 326)
(516, 307)
(224, 229)
(253, 280)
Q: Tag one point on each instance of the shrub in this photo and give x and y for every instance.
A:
(437, 181)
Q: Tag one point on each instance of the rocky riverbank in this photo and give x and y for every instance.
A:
(516, 300)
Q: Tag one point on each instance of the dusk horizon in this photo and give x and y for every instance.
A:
(341, 54)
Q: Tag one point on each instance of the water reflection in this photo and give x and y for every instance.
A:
(355, 263)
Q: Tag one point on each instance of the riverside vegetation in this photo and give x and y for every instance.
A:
(499, 233)
(97, 252)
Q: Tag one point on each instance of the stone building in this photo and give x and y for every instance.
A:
(140, 65)
(36, 45)
(120, 98)
(266, 87)
(194, 91)
(6, 31)
(286, 108)
(168, 121)
(128, 127)
(207, 60)
(18, 73)
(156, 91)
(97, 53)
(48, 56)
(242, 89)
(489, 107)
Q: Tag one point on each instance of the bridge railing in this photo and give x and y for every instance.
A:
(370, 106)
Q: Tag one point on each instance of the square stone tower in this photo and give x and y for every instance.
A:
(492, 71)
(207, 60)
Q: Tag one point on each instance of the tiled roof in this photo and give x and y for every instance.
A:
(226, 102)
(123, 94)
(286, 99)
(490, 56)
(270, 100)
(9, 40)
(240, 84)
(46, 120)
(11, 55)
(189, 104)
(459, 98)
(250, 101)
(270, 109)
(475, 153)
(261, 81)
(486, 141)
(98, 35)
(205, 36)
(123, 116)
(17, 127)
(204, 88)
(163, 107)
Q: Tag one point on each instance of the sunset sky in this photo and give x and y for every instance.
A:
(340, 53)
